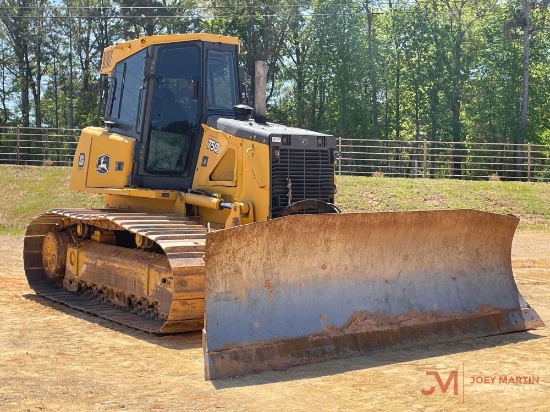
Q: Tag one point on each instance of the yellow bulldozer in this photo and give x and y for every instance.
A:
(219, 221)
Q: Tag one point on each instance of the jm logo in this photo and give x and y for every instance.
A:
(453, 377)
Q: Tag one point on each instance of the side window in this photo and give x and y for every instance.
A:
(126, 88)
(133, 82)
(115, 92)
(221, 93)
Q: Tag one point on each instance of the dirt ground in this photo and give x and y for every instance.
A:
(53, 358)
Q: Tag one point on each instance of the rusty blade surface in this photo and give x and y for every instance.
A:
(308, 288)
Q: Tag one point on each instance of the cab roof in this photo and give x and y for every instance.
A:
(113, 54)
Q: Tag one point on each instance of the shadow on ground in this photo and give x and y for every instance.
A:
(180, 341)
(399, 354)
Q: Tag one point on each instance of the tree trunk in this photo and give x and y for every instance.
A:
(398, 96)
(524, 94)
(56, 93)
(71, 88)
(24, 84)
(456, 102)
(372, 74)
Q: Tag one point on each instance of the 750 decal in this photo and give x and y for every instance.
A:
(214, 146)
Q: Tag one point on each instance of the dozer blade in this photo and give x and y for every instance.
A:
(308, 288)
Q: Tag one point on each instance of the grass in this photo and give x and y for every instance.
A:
(28, 191)
(529, 201)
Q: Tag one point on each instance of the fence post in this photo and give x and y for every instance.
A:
(340, 156)
(45, 151)
(529, 162)
(17, 146)
(425, 158)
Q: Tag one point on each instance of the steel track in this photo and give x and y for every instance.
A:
(181, 239)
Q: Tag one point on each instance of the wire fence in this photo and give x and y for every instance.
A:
(368, 157)
(37, 146)
(430, 159)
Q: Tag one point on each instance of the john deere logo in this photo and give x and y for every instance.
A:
(102, 164)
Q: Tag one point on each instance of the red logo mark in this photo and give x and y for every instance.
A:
(453, 376)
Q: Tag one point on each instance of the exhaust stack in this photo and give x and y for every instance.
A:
(260, 81)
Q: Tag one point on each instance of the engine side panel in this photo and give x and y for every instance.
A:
(102, 160)
(235, 168)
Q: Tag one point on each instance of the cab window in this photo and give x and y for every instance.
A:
(221, 93)
(127, 83)
(174, 110)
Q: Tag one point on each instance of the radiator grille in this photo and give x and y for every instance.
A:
(308, 172)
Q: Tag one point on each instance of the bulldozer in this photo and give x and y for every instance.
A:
(217, 220)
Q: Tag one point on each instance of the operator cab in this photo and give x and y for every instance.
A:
(161, 95)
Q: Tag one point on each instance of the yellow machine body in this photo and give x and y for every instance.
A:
(237, 174)
(219, 222)
(93, 143)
